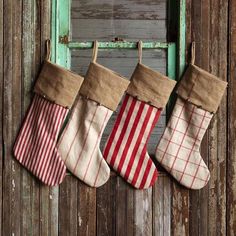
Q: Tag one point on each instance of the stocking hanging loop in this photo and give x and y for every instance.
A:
(140, 49)
(95, 51)
(193, 53)
(48, 49)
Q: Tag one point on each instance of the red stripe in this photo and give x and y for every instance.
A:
(195, 175)
(67, 126)
(181, 143)
(192, 148)
(131, 135)
(57, 162)
(47, 139)
(150, 163)
(71, 145)
(184, 173)
(138, 141)
(144, 151)
(26, 121)
(54, 162)
(188, 121)
(46, 126)
(177, 122)
(60, 173)
(38, 136)
(51, 163)
(95, 147)
(26, 134)
(115, 128)
(98, 173)
(178, 145)
(194, 163)
(123, 131)
(48, 166)
(188, 109)
(154, 178)
(30, 140)
(85, 140)
(146, 172)
(37, 144)
(58, 170)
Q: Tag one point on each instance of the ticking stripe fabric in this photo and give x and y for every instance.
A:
(35, 145)
(178, 149)
(126, 148)
(79, 143)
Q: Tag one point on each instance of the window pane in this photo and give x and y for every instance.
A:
(127, 19)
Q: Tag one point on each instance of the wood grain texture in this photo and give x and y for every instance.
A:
(231, 157)
(132, 10)
(162, 206)
(11, 116)
(29, 208)
(30, 64)
(87, 210)
(200, 25)
(1, 112)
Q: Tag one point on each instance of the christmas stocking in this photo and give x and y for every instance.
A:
(126, 148)
(79, 144)
(34, 148)
(199, 95)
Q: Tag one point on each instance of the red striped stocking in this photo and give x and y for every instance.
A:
(126, 148)
(35, 146)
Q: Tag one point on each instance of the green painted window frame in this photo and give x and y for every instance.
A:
(61, 45)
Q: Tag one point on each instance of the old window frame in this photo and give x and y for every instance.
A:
(61, 44)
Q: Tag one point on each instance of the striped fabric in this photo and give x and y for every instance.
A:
(126, 148)
(35, 145)
(79, 143)
(178, 149)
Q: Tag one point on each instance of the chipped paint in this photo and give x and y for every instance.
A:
(13, 185)
(79, 219)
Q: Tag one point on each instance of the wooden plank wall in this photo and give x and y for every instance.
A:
(29, 208)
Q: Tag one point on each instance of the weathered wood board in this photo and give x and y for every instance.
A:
(29, 208)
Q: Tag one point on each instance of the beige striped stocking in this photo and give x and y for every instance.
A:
(79, 144)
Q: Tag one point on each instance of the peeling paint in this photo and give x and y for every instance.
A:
(145, 205)
(13, 184)
(13, 167)
(79, 219)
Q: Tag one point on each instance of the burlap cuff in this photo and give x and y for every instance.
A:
(201, 88)
(150, 86)
(103, 86)
(58, 84)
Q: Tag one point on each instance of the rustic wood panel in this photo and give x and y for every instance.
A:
(2, 144)
(231, 164)
(29, 208)
(30, 63)
(201, 33)
(11, 116)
